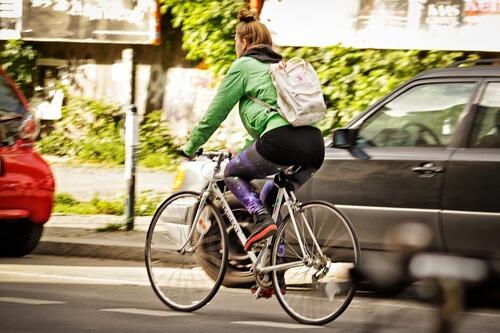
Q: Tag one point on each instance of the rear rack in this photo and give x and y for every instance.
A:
(478, 62)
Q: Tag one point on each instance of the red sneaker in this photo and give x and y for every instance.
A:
(267, 292)
(264, 292)
(265, 230)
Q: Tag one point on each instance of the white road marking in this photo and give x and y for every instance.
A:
(148, 312)
(274, 324)
(58, 278)
(100, 275)
(28, 301)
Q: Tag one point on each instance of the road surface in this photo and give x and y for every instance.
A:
(64, 294)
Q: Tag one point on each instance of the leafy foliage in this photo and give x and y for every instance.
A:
(208, 28)
(156, 146)
(88, 130)
(18, 59)
(352, 79)
(146, 204)
(94, 131)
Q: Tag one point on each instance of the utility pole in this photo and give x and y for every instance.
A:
(131, 135)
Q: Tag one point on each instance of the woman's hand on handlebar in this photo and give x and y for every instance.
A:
(182, 153)
(211, 155)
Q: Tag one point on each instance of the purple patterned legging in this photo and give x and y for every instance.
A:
(249, 165)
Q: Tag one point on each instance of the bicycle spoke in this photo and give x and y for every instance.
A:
(292, 248)
(315, 294)
(179, 278)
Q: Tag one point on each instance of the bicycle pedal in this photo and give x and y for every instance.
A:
(262, 292)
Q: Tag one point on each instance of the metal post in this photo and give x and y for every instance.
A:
(131, 142)
(131, 136)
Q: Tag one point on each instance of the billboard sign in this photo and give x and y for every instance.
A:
(94, 21)
(392, 24)
(10, 19)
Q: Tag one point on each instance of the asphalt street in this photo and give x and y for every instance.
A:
(63, 294)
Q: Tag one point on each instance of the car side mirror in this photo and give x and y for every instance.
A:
(344, 137)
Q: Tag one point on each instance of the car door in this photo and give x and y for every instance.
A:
(395, 173)
(471, 200)
(12, 111)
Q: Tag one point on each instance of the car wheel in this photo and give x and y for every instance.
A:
(238, 272)
(19, 238)
(238, 269)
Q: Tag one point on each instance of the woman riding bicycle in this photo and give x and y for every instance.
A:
(278, 145)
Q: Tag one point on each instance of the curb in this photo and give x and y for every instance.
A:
(76, 235)
(62, 246)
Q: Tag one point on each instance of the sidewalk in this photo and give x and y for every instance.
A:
(76, 235)
(85, 181)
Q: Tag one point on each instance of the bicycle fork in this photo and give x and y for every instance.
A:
(199, 209)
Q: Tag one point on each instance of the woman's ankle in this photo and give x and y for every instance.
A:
(262, 215)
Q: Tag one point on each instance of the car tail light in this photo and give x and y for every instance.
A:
(29, 128)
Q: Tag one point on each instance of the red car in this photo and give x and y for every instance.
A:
(26, 181)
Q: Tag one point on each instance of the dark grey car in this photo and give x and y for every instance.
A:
(429, 153)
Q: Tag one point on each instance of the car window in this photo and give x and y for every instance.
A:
(12, 111)
(486, 130)
(423, 116)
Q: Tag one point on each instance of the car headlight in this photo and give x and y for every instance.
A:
(30, 127)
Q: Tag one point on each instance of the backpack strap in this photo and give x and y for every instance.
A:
(262, 103)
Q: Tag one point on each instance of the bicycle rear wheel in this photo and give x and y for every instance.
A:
(179, 278)
(319, 291)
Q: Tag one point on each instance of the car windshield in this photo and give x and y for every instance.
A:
(10, 105)
(423, 116)
(12, 112)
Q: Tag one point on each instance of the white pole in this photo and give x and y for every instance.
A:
(131, 135)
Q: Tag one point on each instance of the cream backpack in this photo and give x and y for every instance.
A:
(300, 99)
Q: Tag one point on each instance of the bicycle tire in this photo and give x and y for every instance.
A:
(305, 300)
(181, 280)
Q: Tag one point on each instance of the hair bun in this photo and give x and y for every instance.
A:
(246, 16)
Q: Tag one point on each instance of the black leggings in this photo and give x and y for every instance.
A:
(276, 150)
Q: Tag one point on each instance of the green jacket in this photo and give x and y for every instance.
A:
(246, 77)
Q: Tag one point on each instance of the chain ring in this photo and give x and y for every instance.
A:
(260, 278)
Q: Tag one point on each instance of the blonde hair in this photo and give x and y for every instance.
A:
(253, 31)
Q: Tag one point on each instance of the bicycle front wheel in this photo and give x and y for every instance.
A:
(180, 253)
(319, 290)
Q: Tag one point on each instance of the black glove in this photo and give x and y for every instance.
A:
(183, 154)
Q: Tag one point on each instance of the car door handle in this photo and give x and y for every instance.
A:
(428, 168)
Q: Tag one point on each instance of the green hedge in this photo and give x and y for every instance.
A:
(93, 131)
(208, 28)
(146, 204)
(352, 78)
(18, 59)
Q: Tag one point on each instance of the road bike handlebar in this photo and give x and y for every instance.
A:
(214, 154)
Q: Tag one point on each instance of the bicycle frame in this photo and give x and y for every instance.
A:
(290, 201)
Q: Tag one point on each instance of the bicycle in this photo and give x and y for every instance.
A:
(307, 261)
